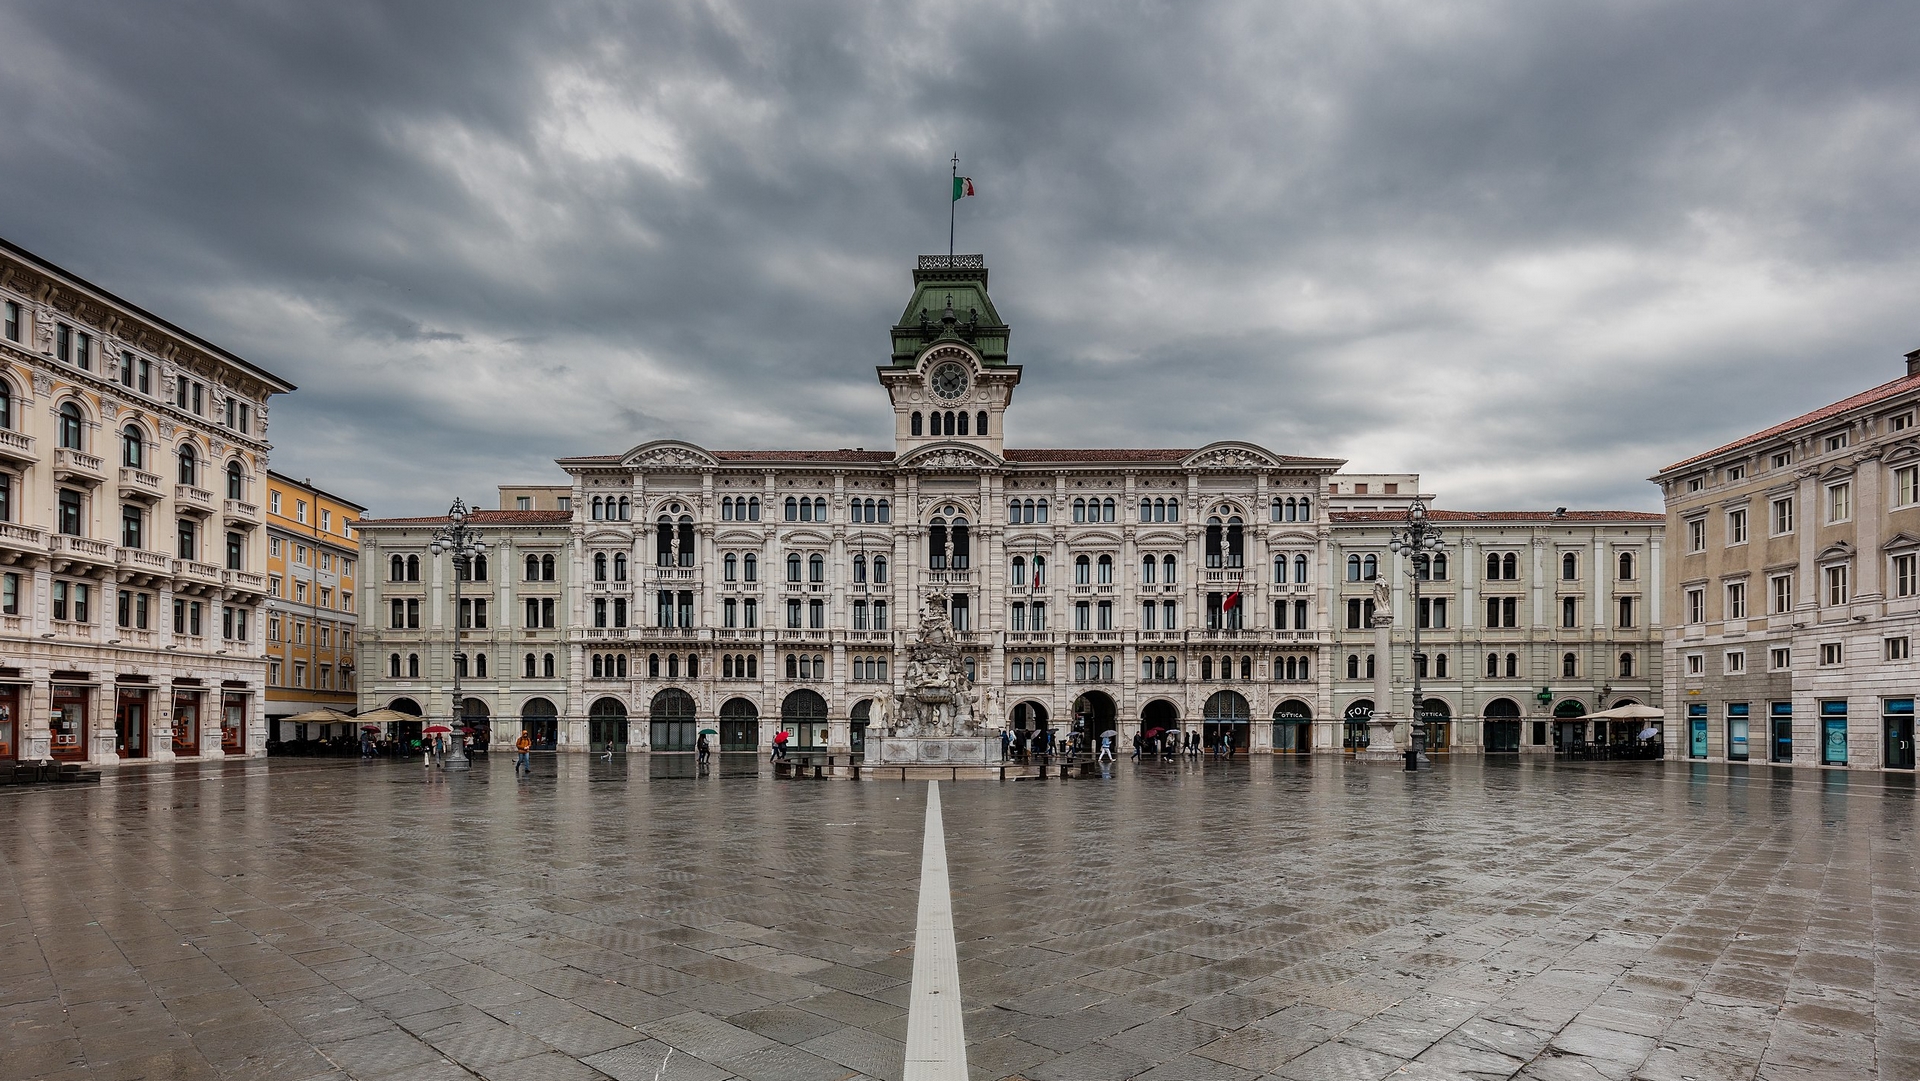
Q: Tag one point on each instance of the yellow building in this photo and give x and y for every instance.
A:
(313, 555)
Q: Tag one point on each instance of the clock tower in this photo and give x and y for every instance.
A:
(949, 377)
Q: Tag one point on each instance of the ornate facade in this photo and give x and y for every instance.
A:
(133, 456)
(1085, 590)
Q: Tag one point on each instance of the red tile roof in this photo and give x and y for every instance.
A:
(1500, 516)
(480, 517)
(851, 456)
(1866, 397)
(1037, 454)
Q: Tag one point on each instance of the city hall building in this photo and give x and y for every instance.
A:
(1228, 589)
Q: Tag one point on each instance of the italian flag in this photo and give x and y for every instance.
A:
(1232, 602)
(962, 187)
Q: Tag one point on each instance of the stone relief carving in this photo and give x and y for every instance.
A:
(951, 458)
(671, 456)
(42, 384)
(1232, 458)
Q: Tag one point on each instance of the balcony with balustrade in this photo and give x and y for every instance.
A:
(73, 467)
(19, 542)
(244, 583)
(141, 567)
(193, 573)
(140, 486)
(78, 554)
(239, 514)
(188, 499)
(17, 448)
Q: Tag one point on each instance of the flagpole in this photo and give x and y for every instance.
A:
(953, 209)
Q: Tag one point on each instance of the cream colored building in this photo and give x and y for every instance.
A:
(313, 571)
(1202, 589)
(133, 456)
(1794, 588)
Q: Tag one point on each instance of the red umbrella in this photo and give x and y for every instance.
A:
(1152, 732)
(436, 730)
(369, 728)
(466, 730)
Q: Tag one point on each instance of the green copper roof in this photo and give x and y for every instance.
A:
(950, 301)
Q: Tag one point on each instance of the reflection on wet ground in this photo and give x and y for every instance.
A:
(637, 918)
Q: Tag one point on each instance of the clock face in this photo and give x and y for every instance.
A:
(950, 380)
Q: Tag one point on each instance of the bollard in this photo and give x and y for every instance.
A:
(1413, 760)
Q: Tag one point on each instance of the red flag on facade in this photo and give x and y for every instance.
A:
(1232, 602)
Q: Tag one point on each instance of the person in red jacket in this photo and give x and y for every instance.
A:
(780, 744)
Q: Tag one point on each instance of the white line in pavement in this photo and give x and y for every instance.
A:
(936, 1040)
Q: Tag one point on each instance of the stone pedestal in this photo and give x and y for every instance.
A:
(933, 751)
(1380, 745)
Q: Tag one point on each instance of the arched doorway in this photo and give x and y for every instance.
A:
(1093, 713)
(540, 721)
(406, 734)
(1569, 731)
(1227, 720)
(857, 721)
(1500, 727)
(1028, 716)
(670, 721)
(1437, 716)
(1293, 727)
(474, 714)
(739, 725)
(1157, 717)
(1354, 736)
(607, 725)
(804, 713)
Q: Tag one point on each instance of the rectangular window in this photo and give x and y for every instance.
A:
(10, 594)
(131, 521)
(199, 406)
(1906, 486)
(1737, 472)
(1739, 730)
(1696, 606)
(793, 615)
(1780, 658)
(60, 600)
(1082, 616)
(1900, 422)
(1839, 503)
(1627, 611)
(1737, 526)
(817, 615)
(1039, 616)
(273, 502)
(1831, 653)
(1736, 600)
(1899, 648)
(1837, 586)
(1836, 441)
(1782, 593)
(193, 618)
(1783, 515)
(750, 614)
(6, 496)
(1736, 661)
(1696, 664)
(1906, 575)
(1697, 535)
(1781, 459)
(13, 321)
(69, 513)
(300, 513)
(326, 521)
(1105, 613)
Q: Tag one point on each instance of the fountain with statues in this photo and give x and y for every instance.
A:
(937, 723)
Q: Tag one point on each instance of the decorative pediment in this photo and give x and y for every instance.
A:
(803, 537)
(1900, 540)
(608, 536)
(668, 454)
(954, 456)
(1839, 471)
(737, 536)
(1902, 451)
(1231, 455)
(1171, 538)
(1834, 553)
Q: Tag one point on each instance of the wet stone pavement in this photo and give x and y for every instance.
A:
(1299, 920)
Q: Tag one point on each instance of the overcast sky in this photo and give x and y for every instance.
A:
(1533, 251)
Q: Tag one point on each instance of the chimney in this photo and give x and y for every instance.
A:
(1913, 362)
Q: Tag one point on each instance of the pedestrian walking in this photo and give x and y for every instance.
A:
(704, 748)
(1106, 749)
(1006, 745)
(780, 745)
(523, 763)
(1136, 746)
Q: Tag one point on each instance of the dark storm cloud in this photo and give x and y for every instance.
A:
(1532, 251)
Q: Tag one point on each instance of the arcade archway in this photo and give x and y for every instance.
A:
(671, 722)
(1354, 736)
(541, 722)
(739, 725)
(1437, 716)
(1094, 712)
(1227, 720)
(1500, 727)
(804, 713)
(607, 725)
(1293, 727)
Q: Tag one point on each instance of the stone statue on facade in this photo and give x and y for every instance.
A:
(1382, 596)
(936, 700)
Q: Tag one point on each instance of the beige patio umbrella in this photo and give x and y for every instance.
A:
(388, 716)
(1632, 711)
(320, 716)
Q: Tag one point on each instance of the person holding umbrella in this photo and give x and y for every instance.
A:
(704, 748)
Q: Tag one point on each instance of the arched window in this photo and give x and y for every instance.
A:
(686, 540)
(1106, 510)
(1236, 542)
(234, 481)
(1439, 568)
(597, 673)
(1370, 567)
(1216, 542)
(1017, 572)
(1440, 666)
(396, 569)
(1300, 568)
(1513, 666)
(1626, 664)
(1510, 566)
(599, 566)
(1082, 571)
(1569, 665)
(393, 665)
(1369, 666)
(1105, 570)
(530, 666)
(480, 666)
(980, 423)
(619, 566)
(1079, 510)
(732, 567)
(1206, 668)
(595, 515)
(1043, 512)
(1274, 511)
(1146, 510)
(793, 509)
(1039, 570)
(1148, 567)
(753, 508)
(726, 508)
(1353, 568)
(693, 666)
(1173, 510)
(653, 666)
(1626, 566)
(963, 423)
(413, 568)
(886, 512)
(1013, 512)
(1493, 566)
(1353, 666)
(816, 568)
(1493, 666)
(189, 465)
(793, 566)
(6, 405)
(546, 568)
(1569, 567)
(626, 508)
(673, 666)
(1169, 573)
(413, 666)
(546, 666)
(916, 423)
(962, 545)
(133, 448)
(533, 568)
(72, 429)
(479, 568)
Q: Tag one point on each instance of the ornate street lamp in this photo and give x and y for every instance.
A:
(1421, 541)
(463, 542)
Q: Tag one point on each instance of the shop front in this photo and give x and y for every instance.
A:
(1897, 724)
(130, 721)
(186, 722)
(233, 723)
(11, 720)
(1293, 727)
(67, 722)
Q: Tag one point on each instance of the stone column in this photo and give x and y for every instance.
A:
(1381, 747)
